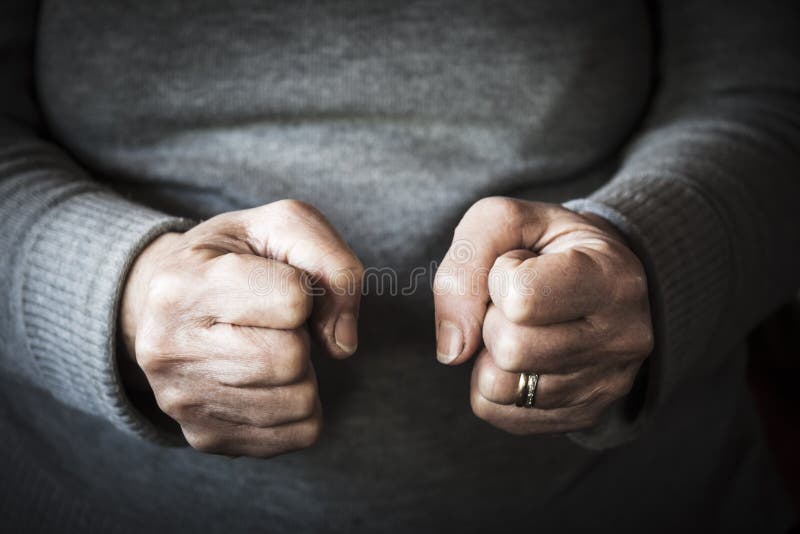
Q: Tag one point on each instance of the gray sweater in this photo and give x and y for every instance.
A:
(119, 121)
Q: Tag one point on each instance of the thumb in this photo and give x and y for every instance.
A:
(298, 234)
(489, 229)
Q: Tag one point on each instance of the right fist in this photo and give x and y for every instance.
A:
(216, 319)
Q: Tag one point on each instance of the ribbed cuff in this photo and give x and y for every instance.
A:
(75, 264)
(680, 240)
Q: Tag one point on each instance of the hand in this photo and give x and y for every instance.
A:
(548, 291)
(216, 320)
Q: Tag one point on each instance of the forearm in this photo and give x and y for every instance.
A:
(710, 196)
(706, 194)
(68, 243)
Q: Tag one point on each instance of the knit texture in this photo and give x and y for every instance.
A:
(679, 122)
(68, 318)
(705, 197)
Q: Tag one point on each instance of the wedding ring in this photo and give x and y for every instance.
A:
(526, 389)
(522, 389)
(530, 389)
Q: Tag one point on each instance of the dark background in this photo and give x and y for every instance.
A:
(775, 383)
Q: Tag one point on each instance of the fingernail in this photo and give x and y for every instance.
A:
(345, 333)
(449, 342)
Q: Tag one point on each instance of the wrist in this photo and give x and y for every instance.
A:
(135, 289)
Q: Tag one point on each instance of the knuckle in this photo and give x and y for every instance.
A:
(357, 268)
(621, 389)
(294, 363)
(297, 302)
(480, 406)
(632, 286)
(263, 372)
(445, 281)
(308, 433)
(507, 353)
(503, 207)
(625, 379)
(638, 283)
(297, 346)
(347, 279)
(295, 207)
(175, 403)
(349, 273)
(292, 369)
(289, 204)
(635, 339)
(504, 210)
(603, 329)
(306, 400)
(150, 362)
(207, 442)
(516, 307)
(351, 280)
(151, 349)
(165, 290)
(488, 383)
(646, 339)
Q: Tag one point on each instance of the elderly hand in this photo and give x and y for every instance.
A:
(215, 318)
(548, 291)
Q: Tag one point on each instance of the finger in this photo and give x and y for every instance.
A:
(243, 357)
(298, 234)
(552, 391)
(264, 407)
(222, 437)
(187, 403)
(552, 417)
(557, 348)
(548, 288)
(491, 227)
(249, 290)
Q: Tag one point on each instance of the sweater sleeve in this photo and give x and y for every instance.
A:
(707, 193)
(66, 243)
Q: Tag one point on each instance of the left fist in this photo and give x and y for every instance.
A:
(546, 291)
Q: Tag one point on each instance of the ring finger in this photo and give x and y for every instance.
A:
(552, 391)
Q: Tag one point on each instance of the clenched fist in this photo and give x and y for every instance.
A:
(546, 291)
(216, 318)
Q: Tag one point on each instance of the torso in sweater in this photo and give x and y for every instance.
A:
(392, 118)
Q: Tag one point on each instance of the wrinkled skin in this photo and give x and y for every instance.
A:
(217, 319)
(534, 287)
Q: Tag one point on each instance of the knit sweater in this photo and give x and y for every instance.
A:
(677, 121)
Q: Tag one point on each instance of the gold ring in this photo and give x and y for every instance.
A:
(530, 389)
(522, 390)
